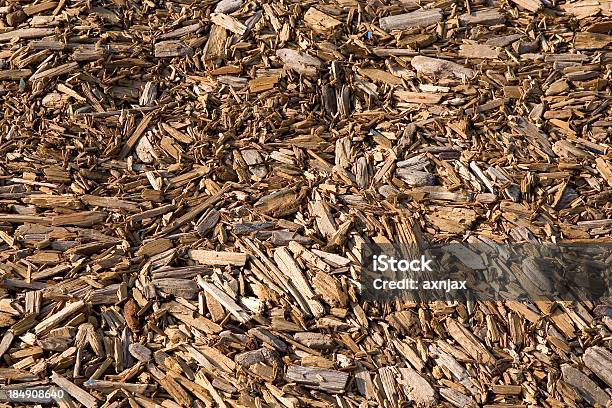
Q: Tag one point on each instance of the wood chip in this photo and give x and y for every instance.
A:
(440, 68)
(411, 20)
(325, 380)
(76, 392)
(218, 258)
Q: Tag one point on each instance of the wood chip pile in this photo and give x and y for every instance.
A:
(185, 187)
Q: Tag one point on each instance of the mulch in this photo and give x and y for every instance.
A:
(185, 188)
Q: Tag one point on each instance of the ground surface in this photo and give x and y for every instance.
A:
(185, 187)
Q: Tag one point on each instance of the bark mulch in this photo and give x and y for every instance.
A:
(185, 187)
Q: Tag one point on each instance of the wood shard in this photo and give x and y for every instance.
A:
(418, 97)
(26, 33)
(214, 258)
(76, 392)
(599, 360)
(229, 23)
(440, 68)
(485, 17)
(57, 71)
(411, 20)
(321, 379)
(14, 74)
(586, 387)
(225, 300)
(300, 62)
(320, 21)
(419, 389)
(531, 5)
(228, 6)
(170, 48)
(478, 51)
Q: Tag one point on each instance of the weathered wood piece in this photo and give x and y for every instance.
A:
(313, 377)
(586, 387)
(421, 18)
(229, 23)
(170, 49)
(76, 392)
(486, 17)
(321, 22)
(14, 74)
(419, 390)
(300, 62)
(26, 33)
(214, 258)
(64, 69)
(531, 5)
(228, 6)
(599, 360)
(225, 300)
(440, 68)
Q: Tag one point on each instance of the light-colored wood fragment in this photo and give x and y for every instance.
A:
(418, 389)
(184, 288)
(140, 352)
(170, 49)
(188, 317)
(418, 97)
(585, 8)
(180, 32)
(312, 377)
(26, 33)
(287, 264)
(421, 18)
(228, 6)
(531, 5)
(225, 300)
(457, 398)
(176, 134)
(440, 68)
(76, 392)
(53, 320)
(64, 69)
(478, 51)
(605, 169)
(486, 17)
(109, 202)
(320, 22)
(300, 62)
(216, 258)
(228, 22)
